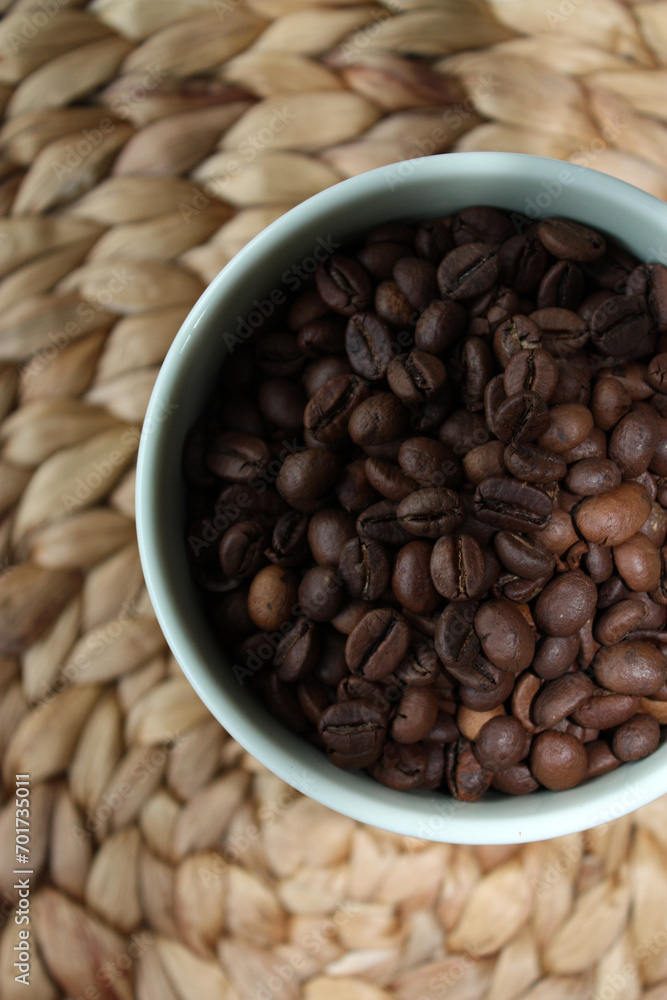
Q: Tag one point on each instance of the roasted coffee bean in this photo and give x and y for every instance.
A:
(484, 461)
(610, 401)
(650, 282)
(353, 490)
(368, 342)
(365, 568)
(289, 542)
(471, 367)
(636, 738)
(381, 523)
(237, 457)
(411, 581)
(321, 593)
(555, 655)
(389, 479)
(508, 503)
(306, 478)
(353, 732)
(621, 327)
(378, 644)
(562, 331)
(618, 621)
(282, 403)
(428, 416)
(456, 641)
(328, 531)
(282, 703)
(599, 759)
(632, 667)
(400, 766)
(393, 307)
(298, 651)
(278, 354)
(558, 760)
(464, 430)
(328, 412)
(521, 417)
(592, 476)
(272, 597)
(560, 697)
(568, 426)
(569, 240)
(320, 371)
(421, 665)
(522, 556)
(505, 635)
(322, 336)
(467, 780)
(430, 512)
(519, 333)
(429, 463)
(344, 285)
(416, 377)
(416, 278)
(480, 223)
(377, 420)
(435, 764)
(500, 743)
(434, 238)
(242, 547)
(533, 464)
(457, 568)
(565, 604)
(313, 698)
(605, 711)
(613, 517)
(563, 286)
(532, 370)
(598, 562)
(633, 442)
(638, 563)
(379, 258)
(415, 715)
(498, 686)
(467, 271)
(440, 326)
(515, 780)
(522, 263)
(655, 526)
(657, 372)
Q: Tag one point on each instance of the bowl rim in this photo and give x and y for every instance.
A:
(559, 813)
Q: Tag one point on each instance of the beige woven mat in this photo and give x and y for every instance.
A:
(139, 153)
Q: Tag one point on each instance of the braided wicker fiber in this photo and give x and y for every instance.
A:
(139, 152)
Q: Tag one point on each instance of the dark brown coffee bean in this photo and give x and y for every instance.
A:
(282, 703)
(632, 667)
(621, 327)
(429, 463)
(389, 479)
(569, 425)
(381, 523)
(237, 457)
(289, 542)
(633, 442)
(562, 331)
(605, 711)
(431, 512)
(610, 401)
(558, 760)
(457, 568)
(467, 271)
(320, 371)
(440, 326)
(353, 491)
(508, 503)
(435, 764)
(428, 416)
(521, 417)
(365, 568)
(379, 258)
(434, 238)
(297, 652)
(533, 370)
(353, 732)
(620, 620)
(456, 641)
(505, 635)
(636, 738)
(515, 780)
(614, 517)
(565, 604)
(368, 343)
(307, 307)
(416, 377)
(328, 531)
(467, 780)
(593, 476)
(282, 403)
(242, 547)
(522, 263)
(416, 278)
(411, 580)
(600, 759)
(563, 286)
(479, 223)
(598, 562)
(569, 240)
(533, 464)
(328, 412)
(306, 478)
(500, 743)
(484, 461)
(344, 285)
(555, 655)
(313, 698)
(522, 556)
(322, 337)
(321, 593)
(559, 698)
(377, 420)
(638, 563)
(650, 282)
(498, 683)
(471, 365)
(513, 335)
(278, 354)
(421, 665)
(400, 766)
(657, 372)
(378, 644)
(463, 431)
(415, 715)
(392, 306)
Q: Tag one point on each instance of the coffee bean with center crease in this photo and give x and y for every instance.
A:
(415, 715)
(328, 531)
(389, 479)
(368, 342)
(522, 556)
(429, 463)
(400, 766)
(297, 652)
(344, 285)
(533, 464)
(569, 240)
(522, 262)
(650, 281)
(381, 523)
(378, 644)
(393, 307)
(500, 743)
(603, 710)
(365, 568)
(377, 420)
(481, 223)
(242, 548)
(562, 331)
(505, 635)
(521, 417)
(508, 503)
(379, 258)
(563, 286)
(321, 337)
(237, 457)
(440, 326)
(411, 581)
(519, 333)
(416, 377)
(657, 372)
(559, 698)
(632, 667)
(566, 604)
(621, 327)
(467, 780)
(306, 478)
(328, 412)
(353, 732)
(457, 568)
(416, 278)
(558, 760)
(431, 512)
(289, 542)
(467, 271)
(618, 621)
(636, 738)
(434, 238)
(533, 370)
(421, 665)
(456, 641)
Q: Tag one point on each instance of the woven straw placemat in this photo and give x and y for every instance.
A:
(139, 152)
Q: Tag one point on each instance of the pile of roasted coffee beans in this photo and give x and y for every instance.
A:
(426, 504)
